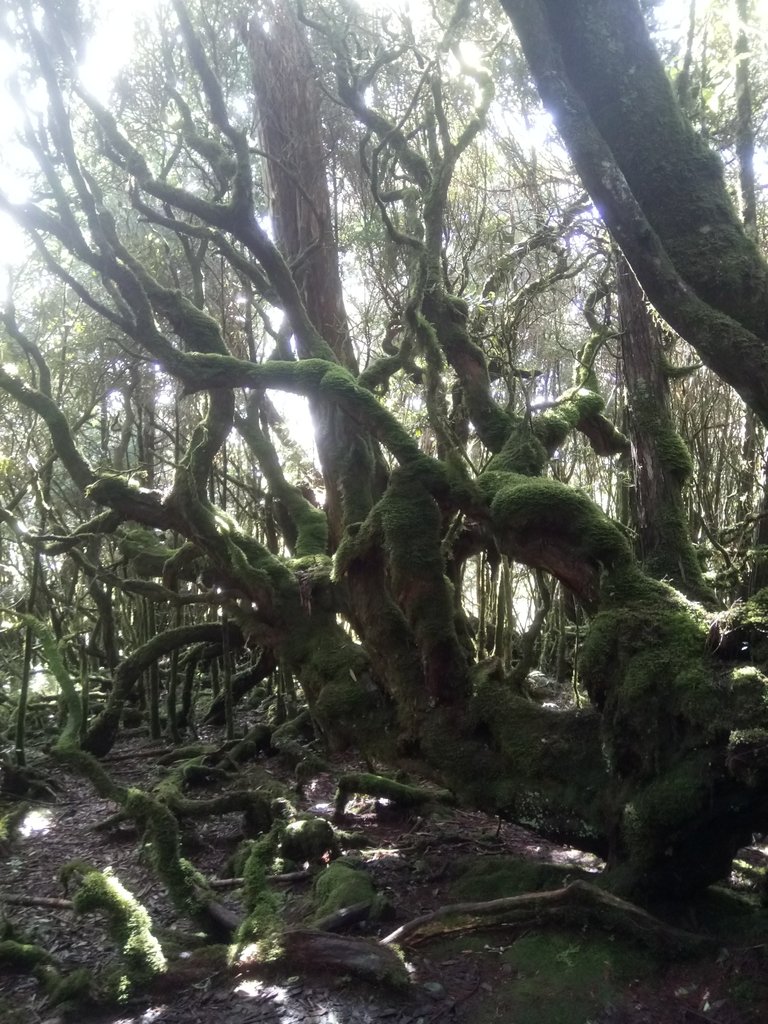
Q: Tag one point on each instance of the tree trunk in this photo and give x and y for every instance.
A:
(661, 463)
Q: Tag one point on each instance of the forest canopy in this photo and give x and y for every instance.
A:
(409, 373)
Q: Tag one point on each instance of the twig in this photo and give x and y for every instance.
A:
(234, 883)
(37, 901)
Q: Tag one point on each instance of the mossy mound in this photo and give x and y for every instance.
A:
(308, 839)
(343, 885)
(565, 977)
(491, 878)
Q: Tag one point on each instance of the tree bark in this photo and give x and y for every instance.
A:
(661, 463)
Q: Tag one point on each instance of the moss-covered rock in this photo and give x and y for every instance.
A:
(308, 839)
(343, 884)
(491, 878)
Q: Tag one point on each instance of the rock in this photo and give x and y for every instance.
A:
(434, 989)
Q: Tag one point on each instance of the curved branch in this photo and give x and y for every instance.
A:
(102, 732)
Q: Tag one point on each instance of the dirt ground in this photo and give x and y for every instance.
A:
(542, 975)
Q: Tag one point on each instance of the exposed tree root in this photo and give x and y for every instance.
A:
(379, 786)
(341, 919)
(578, 903)
(313, 952)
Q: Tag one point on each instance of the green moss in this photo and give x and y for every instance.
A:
(71, 989)
(734, 919)
(397, 792)
(412, 530)
(262, 924)
(747, 757)
(129, 923)
(665, 806)
(22, 956)
(491, 878)
(10, 820)
(575, 405)
(673, 453)
(521, 505)
(144, 550)
(89, 768)
(522, 453)
(548, 767)
(308, 839)
(565, 977)
(342, 885)
(753, 612)
(348, 707)
(186, 887)
(639, 616)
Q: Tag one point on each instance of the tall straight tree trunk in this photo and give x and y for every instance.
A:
(290, 111)
(661, 463)
(745, 155)
(289, 103)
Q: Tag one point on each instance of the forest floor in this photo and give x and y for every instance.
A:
(520, 975)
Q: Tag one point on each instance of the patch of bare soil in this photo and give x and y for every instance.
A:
(413, 862)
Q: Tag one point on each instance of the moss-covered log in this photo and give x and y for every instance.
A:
(315, 952)
(376, 785)
(129, 923)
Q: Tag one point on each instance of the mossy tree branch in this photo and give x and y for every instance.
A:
(715, 295)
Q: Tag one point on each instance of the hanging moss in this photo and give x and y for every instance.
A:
(128, 921)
